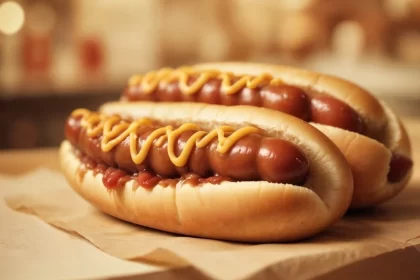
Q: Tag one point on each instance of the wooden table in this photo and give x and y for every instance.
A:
(78, 259)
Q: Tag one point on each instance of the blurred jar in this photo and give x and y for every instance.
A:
(299, 34)
(255, 23)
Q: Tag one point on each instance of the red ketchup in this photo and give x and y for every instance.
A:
(114, 178)
(147, 179)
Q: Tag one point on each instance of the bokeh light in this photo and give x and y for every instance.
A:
(12, 17)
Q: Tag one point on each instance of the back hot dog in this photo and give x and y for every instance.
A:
(365, 129)
(207, 171)
(187, 85)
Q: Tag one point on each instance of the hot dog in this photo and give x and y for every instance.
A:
(255, 157)
(227, 89)
(365, 129)
(203, 170)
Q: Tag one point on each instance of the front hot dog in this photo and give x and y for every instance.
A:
(365, 129)
(202, 170)
(172, 152)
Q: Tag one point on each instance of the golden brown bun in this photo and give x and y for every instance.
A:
(369, 158)
(240, 211)
(369, 161)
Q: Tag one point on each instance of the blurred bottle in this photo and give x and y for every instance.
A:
(114, 39)
(37, 45)
(91, 57)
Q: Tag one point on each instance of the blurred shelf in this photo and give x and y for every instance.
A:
(38, 121)
(49, 89)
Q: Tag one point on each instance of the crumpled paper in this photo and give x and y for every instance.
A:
(358, 236)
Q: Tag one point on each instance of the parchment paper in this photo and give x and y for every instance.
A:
(361, 235)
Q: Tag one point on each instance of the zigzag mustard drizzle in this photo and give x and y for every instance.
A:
(150, 81)
(114, 130)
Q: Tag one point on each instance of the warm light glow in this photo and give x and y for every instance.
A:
(12, 17)
(348, 39)
(397, 9)
(296, 5)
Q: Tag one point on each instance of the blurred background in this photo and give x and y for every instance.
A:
(56, 55)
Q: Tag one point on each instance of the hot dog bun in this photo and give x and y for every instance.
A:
(239, 211)
(369, 155)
